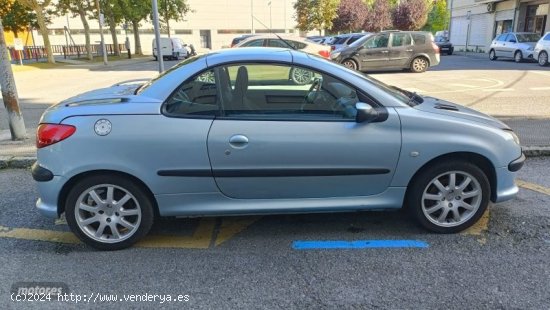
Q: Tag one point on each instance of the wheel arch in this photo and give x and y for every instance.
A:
(74, 179)
(423, 55)
(479, 160)
(355, 59)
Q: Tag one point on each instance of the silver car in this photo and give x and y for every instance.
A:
(228, 133)
(542, 50)
(516, 45)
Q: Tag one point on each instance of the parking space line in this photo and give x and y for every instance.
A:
(232, 226)
(38, 235)
(358, 244)
(464, 85)
(533, 186)
(539, 88)
(498, 89)
(199, 240)
(480, 226)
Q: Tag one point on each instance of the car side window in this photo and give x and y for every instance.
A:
(275, 92)
(379, 41)
(547, 37)
(353, 39)
(254, 43)
(419, 39)
(196, 96)
(511, 38)
(401, 39)
(280, 43)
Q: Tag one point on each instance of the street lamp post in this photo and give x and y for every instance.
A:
(270, 20)
(157, 35)
(100, 19)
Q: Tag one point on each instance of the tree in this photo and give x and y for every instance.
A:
(134, 12)
(351, 14)
(315, 14)
(80, 8)
(18, 19)
(438, 18)
(113, 14)
(378, 16)
(410, 14)
(39, 7)
(172, 10)
(7, 83)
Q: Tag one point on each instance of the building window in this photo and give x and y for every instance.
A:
(234, 31)
(503, 26)
(184, 31)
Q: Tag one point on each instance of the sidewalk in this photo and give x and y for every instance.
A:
(533, 134)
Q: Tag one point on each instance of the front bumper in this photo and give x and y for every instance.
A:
(506, 187)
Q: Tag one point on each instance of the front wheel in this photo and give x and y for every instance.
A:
(492, 55)
(419, 65)
(543, 59)
(449, 197)
(518, 57)
(108, 212)
(350, 64)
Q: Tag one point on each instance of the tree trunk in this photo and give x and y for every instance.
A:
(168, 26)
(82, 14)
(15, 34)
(137, 40)
(44, 31)
(112, 28)
(9, 92)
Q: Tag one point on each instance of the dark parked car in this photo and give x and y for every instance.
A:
(445, 46)
(344, 40)
(414, 50)
(240, 38)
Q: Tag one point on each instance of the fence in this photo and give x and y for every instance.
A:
(39, 52)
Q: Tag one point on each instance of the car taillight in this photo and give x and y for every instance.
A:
(48, 134)
(324, 53)
(332, 47)
(435, 47)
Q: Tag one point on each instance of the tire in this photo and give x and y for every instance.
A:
(518, 57)
(301, 76)
(543, 59)
(493, 55)
(350, 64)
(419, 64)
(433, 207)
(156, 58)
(86, 216)
(450, 52)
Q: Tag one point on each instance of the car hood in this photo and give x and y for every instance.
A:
(442, 107)
(527, 45)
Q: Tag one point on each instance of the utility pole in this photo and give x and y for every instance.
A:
(100, 18)
(157, 35)
(9, 92)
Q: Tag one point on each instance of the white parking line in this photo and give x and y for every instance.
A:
(415, 90)
(541, 73)
(464, 85)
(540, 88)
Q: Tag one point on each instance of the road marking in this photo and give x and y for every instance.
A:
(541, 73)
(201, 238)
(539, 88)
(480, 226)
(464, 85)
(533, 187)
(498, 89)
(358, 244)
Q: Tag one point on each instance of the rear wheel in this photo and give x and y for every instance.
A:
(350, 63)
(108, 212)
(449, 196)
(492, 55)
(419, 65)
(543, 59)
(518, 56)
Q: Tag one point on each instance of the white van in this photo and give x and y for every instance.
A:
(171, 48)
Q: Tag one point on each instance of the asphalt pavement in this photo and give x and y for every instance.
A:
(502, 263)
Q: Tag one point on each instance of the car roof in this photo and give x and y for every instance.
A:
(248, 54)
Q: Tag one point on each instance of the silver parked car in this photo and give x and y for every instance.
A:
(229, 133)
(516, 45)
(542, 50)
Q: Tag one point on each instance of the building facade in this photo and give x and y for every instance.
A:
(211, 24)
(474, 23)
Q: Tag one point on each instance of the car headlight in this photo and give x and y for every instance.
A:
(514, 136)
(334, 55)
(530, 48)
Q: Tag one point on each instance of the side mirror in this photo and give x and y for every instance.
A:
(365, 113)
(512, 41)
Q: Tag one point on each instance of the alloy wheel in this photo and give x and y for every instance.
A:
(107, 213)
(543, 59)
(350, 64)
(419, 64)
(451, 198)
(301, 76)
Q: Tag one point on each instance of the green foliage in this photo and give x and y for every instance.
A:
(315, 14)
(135, 10)
(438, 18)
(5, 6)
(172, 10)
(18, 18)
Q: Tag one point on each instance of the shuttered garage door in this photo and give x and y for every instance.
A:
(480, 30)
(459, 28)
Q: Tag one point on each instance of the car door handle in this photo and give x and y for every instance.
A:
(384, 52)
(408, 50)
(238, 141)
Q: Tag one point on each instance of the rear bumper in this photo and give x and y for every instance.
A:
(49, 187)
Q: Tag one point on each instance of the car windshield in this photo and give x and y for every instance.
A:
(527, 37)
(181, 64)
(340, 40)
(440, 39)
(361, 40)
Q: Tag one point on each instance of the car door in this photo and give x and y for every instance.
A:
(280, 140)
(374, 54)
(509, 46)
(401, 50)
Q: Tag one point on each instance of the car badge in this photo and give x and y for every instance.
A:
(103, 127)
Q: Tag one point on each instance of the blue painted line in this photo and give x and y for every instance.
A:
(358, 244)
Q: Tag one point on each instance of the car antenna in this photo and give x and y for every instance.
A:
(271, 31)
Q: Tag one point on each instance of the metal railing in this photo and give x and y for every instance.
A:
(39, 52)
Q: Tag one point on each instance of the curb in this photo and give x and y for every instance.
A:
(25, 162)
